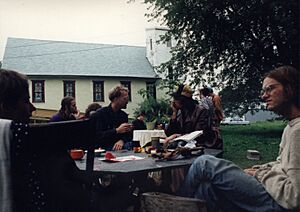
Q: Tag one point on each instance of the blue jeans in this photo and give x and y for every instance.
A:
(223, 185)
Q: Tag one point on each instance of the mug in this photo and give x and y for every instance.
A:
(155, 142)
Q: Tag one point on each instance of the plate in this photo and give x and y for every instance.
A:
(98, 152)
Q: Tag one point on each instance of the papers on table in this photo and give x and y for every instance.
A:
(189, 137)
(123, 158)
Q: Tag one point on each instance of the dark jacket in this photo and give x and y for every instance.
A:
(139, 125)
(107, 121)
(189, 121)
(58, 117)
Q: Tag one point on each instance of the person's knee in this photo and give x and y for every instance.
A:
(204, 159)
(204, 164)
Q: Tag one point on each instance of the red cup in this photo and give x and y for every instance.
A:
(76, 154)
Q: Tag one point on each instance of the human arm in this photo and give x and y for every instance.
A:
(174, 124)
(123, 129)
(250, 171)
(282, 181)
(171, 137)
(77, 115)
(266, 166)
(118, 145)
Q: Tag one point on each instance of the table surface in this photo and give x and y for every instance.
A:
(148, 164)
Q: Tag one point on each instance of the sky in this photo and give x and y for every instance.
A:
(93, 21)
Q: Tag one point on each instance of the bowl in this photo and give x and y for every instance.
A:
(76, 154)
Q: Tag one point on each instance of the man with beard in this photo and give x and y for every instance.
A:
(68, 110)
(113, 130)
(274, 186)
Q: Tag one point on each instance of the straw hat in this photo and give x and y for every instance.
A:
(183, 91)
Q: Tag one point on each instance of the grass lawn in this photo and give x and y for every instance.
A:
(262, 136)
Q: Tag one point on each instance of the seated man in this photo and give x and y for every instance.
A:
(44, 183)
(113, 130)
(68, 110)
(274, 186)
(189, 116)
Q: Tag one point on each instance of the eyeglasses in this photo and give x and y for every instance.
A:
(268, 89)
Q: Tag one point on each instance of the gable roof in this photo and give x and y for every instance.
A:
(59, 58)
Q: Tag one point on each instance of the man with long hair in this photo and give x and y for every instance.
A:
(274, 186)
(67, 111)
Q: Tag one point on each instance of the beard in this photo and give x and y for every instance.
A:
(281, 109)
(124, 106)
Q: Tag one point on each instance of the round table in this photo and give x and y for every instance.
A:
(144, 136)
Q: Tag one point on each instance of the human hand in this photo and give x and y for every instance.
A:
(250, 171)
(124, 128)
(118, 145)
(174, 109)
(171, 137)
(77, 114)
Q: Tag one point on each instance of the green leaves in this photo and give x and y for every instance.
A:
(155, 110)
(240, 39)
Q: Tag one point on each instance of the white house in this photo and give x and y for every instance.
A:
(84, 70)
(87, 71)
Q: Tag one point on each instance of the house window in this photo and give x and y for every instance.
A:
(98, 91)
(127, 84)
(151, 89)
(38, 91)
(69, 88)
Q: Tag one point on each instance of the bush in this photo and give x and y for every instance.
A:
(155, 110)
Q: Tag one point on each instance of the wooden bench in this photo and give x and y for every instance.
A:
(161, 202)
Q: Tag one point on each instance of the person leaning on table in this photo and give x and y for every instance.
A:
(274, 186)
(68, 110)
(37, 182)
(187, 115)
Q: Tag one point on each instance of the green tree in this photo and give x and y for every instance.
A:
(240, 39)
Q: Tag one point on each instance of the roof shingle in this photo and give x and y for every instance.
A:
(45, 57)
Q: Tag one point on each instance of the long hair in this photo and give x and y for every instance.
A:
(289, 77)
(65, 107)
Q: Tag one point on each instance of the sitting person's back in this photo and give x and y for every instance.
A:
(138, 123)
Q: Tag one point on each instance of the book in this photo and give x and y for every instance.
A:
(189, 137)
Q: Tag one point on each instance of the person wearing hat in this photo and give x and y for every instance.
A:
(187, 115)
